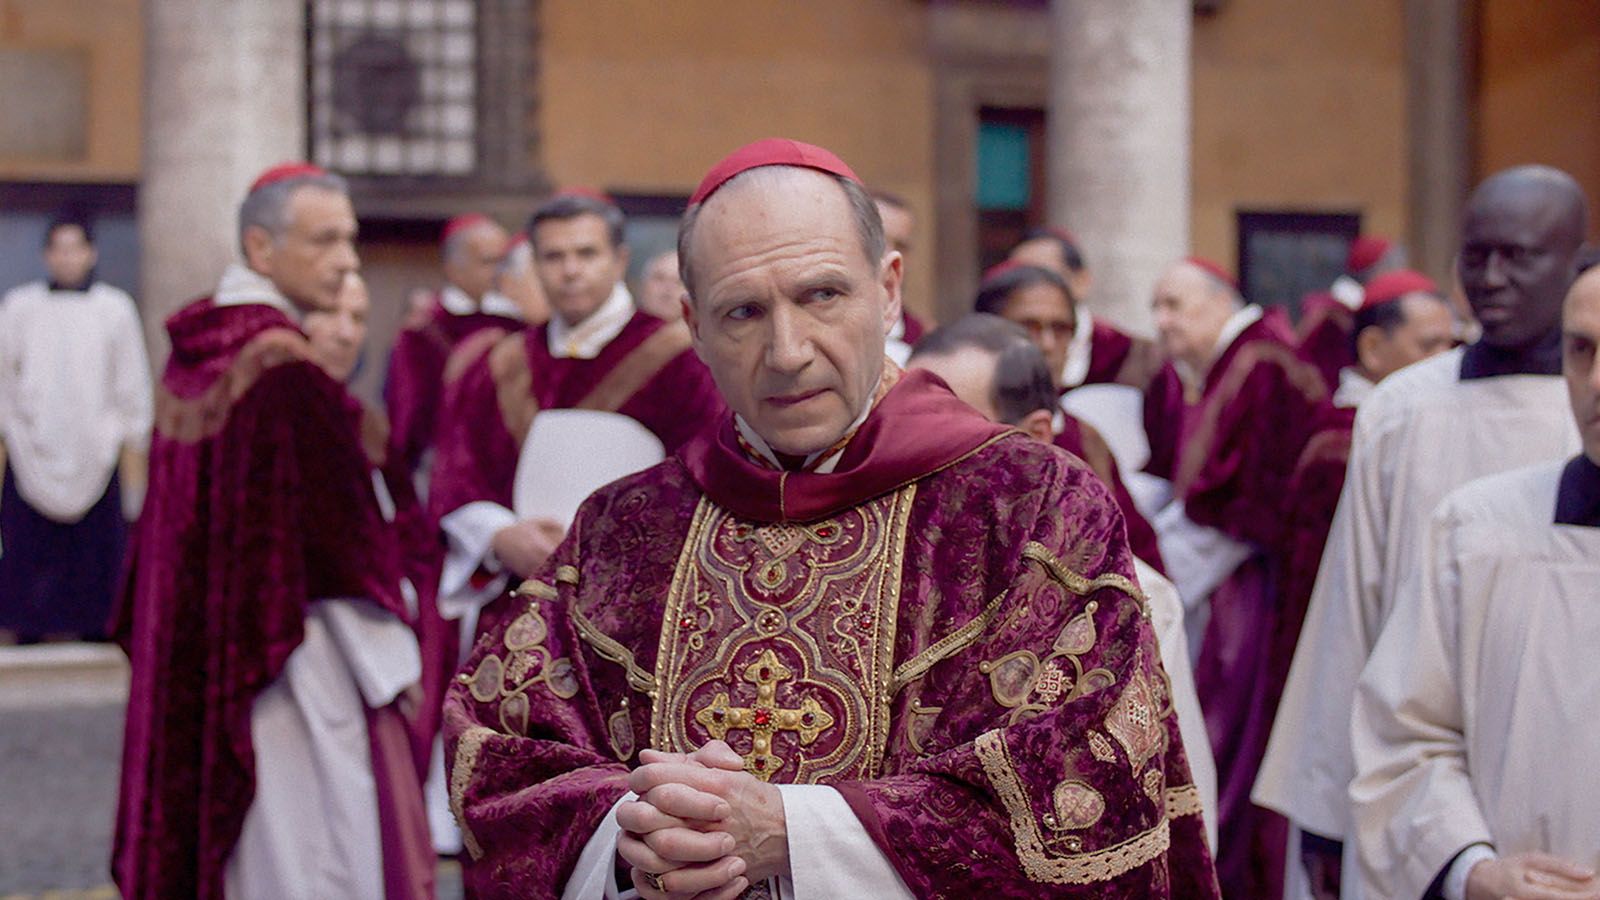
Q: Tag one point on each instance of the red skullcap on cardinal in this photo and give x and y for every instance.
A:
(461, 223)
(1364, 252)
(770, 152)
(1397, 284)
(286, 171)
(1213, 269)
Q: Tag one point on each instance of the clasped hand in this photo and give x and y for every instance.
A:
(702, 826)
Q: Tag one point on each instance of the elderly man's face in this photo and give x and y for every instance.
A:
(788, 313)
(1516, 263)
(337, 334)
(660, 291)
(578, 265)
(1580, 328)
(474, 259)
(308, 262)
(1190, 312)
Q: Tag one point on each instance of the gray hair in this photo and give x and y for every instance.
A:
(863, 210)
(267, 207)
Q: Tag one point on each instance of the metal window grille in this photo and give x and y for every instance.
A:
(393, 86)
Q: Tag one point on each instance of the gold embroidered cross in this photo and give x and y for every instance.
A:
(764, 717)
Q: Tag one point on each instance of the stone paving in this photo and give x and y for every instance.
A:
(60, 749)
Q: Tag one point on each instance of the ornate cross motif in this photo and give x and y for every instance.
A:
(764, 717)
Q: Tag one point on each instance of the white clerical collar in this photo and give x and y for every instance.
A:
(826, 467)
(241, 285)
(1349, 292)
(1231, 329)
(1079, 351)
(586, 339)
(897, 331)
(455, 301)
(1353, 388)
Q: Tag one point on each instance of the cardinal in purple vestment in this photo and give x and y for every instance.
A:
(1253, 403)
(1327, 318)
(851, 640)
(473, 247)
(260, 504)
(1041, 302)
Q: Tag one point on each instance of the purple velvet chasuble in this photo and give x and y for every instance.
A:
(948, 633)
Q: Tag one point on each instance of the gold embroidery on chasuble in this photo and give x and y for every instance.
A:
(779, 638)
(527, 663)
(1135, 720)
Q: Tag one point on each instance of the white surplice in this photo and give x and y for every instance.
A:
(74, 390)
(1167, 618)
(312, 830)
(1422, 433)
(1474, 718)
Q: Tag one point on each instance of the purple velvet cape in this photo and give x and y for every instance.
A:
(1009, 729)
(1240, 444)
(647, 372)
(260, 499)
(1116, 357)
(413, 389)
(1325, 326)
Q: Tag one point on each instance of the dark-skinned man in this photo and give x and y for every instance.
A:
(1492, 406)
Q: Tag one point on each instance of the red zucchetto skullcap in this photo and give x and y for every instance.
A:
(286, 171)
(770, 152)
(461, 223)
(1213, 269)
(1397, 284)
(1365, 252)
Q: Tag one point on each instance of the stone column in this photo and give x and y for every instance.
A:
(1119, 143)
(224, 98)
(1440, 45)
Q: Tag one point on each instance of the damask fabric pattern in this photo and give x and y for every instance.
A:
(965, 658)
(260, 501)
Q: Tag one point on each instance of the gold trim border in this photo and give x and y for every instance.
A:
(947, 646)
(468, 747)
(1183, 800)
(1079, 584)
(1082, 868)
(611, 651)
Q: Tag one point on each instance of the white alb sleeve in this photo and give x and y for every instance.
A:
(830, 853)
(595, 875)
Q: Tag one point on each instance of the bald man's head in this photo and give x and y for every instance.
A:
(1520, 237)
